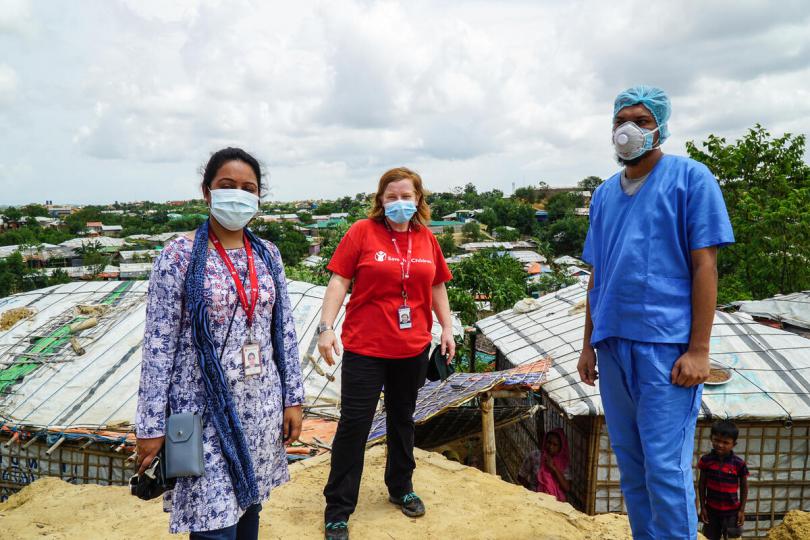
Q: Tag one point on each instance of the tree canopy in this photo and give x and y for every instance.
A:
(766, 185)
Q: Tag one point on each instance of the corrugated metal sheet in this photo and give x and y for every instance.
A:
(770, 367)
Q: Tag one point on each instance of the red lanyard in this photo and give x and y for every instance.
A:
(404, 266)
(240, 287)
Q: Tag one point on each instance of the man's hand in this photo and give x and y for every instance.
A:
(146, 450)
(704, 515)
(328, 342)
(691, 369)
(587, 366)
(740, 517)
(293, 417)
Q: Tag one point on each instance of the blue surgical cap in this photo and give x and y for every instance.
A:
(654, 99)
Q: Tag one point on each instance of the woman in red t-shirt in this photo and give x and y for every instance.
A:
(399, 274)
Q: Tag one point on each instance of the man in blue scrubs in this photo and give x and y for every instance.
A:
(655, 228)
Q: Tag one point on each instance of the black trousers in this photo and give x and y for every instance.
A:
(362, 378)
(721, 526)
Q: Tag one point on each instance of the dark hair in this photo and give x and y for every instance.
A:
(725, 428)
(221, 157)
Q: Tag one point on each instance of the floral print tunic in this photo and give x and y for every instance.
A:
(170, 370)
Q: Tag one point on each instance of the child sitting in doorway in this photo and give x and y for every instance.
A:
(722, 472)
(545, 470)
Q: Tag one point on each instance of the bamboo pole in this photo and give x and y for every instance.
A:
(83, 325)
(488, 431)
(471, 333)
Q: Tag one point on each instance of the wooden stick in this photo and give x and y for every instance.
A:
(320, 443)
(77, 348)
(56, 445)
(488, 431)
(472, 336)
(83, 325)
(31, 441)
(513, 394)
(13, 439)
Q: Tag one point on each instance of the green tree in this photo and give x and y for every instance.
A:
(499, 278)
(13, 271)
(567, 235)
(310, 275)
(471, 231)
(590, 183)
(505, 234)
(35, 210)
(766, 185)
(532, 194)
(447, 242)
(463, 303)
(563, 204)
(292, 244)
(548, 283)
(489, 218)
(12, 213)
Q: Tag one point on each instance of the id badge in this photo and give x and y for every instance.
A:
(251, 359)
(404, 317)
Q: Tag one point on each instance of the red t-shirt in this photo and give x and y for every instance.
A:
(367, 255)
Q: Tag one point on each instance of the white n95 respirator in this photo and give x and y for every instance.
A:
(631, 141)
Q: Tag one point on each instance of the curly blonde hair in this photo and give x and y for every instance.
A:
(422, 215)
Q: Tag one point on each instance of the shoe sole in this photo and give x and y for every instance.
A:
(405, 510)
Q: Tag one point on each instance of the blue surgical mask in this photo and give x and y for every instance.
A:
(400, 211)
(233, 208)
(631, 141)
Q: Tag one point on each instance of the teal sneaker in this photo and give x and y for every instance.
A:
(337, 530)
(410, 504)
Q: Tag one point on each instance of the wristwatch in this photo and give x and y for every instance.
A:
(323, 327)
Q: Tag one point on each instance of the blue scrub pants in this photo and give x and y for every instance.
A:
(651, 423)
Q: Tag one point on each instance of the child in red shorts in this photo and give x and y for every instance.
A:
(722, 472)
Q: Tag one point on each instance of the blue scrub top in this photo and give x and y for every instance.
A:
(640, 249)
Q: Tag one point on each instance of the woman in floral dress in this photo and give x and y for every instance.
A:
(265, 407)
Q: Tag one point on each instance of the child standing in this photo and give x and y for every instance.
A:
(722, 472)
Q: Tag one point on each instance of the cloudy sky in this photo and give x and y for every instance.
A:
(125, 99)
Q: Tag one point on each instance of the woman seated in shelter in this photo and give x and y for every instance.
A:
(546, 470)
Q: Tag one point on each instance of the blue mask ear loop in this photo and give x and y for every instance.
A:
(658, 128)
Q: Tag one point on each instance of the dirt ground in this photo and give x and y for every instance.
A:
(796, 526)
(462, 503)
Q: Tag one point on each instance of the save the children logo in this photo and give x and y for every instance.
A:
(379, 256)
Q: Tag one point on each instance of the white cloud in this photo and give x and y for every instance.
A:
(15, 17)
(8, 84)
(331, 93)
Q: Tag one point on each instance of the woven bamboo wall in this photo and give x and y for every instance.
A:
(96, 464)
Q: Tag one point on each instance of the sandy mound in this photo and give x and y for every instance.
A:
(462, 503)
(796, 526)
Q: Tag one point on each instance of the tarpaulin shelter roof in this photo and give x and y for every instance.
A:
(45, 385)
(792, 309)
(770, 367)
(436, 397)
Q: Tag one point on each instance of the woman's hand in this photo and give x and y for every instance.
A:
(293, 417)
(328, 342)
(448, 344)
(146, 450)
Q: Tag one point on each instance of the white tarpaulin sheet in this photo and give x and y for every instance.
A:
(790, 308)
(99, 388)
(770, 367)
